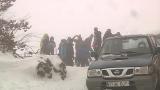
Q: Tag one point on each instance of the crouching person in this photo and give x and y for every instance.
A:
(51, 64)
(59, 66)
(61, 70)
(44, 68)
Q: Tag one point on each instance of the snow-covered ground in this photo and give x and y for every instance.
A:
(20, 74)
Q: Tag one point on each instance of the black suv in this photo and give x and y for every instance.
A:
(128, 62)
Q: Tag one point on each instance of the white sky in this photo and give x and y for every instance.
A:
(62, 18)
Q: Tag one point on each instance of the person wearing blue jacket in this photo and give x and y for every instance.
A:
(62, 50)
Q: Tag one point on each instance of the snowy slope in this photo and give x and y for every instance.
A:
(18, 74)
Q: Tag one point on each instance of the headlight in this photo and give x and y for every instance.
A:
(143, 70)
(94, 73)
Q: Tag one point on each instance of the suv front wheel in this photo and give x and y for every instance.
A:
(129, 88)
(158, 84)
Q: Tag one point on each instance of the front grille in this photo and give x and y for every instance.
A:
(118, 72)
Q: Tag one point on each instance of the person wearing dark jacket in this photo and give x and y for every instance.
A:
(69, 52)
(52, 45)
(78, 44)
(44, 45)
(118, 34)
(97, 41)
(87, 43)
(107, 34)
(63, 50)
(83, 55)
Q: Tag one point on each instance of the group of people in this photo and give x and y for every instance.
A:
(76, 50)
(98, 40)
(47, 45)
(82, 50)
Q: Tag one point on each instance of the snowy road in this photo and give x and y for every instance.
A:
(20, 75)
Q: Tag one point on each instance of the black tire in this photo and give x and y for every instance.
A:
(94, 89)
(118, 89)
(127, 88)
(158, 85)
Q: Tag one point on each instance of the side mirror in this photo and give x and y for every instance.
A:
(158, 50)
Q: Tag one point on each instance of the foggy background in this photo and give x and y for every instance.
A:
(62, 18)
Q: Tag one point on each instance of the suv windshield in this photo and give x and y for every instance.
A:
(126, 45)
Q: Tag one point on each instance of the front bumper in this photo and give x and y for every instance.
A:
(138, 82)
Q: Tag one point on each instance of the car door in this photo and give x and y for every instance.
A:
(157, 40)
(155, 59)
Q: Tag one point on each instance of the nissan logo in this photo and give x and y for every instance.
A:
(116, 72)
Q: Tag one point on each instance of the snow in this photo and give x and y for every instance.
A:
(20, 74)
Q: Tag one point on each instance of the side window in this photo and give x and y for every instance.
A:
(153, 41)
(157, 38)
(135, 43)
(158, 42)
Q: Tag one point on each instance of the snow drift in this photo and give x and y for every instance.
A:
(16, 74)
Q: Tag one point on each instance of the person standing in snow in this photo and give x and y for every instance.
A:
(78, 43)
(82, 50)
(107, 34)
(69, 52)
(44, 45)
(87, 43)
(118, 34)
(82, 55)
(60, 48)
(52, 45)
(97, 41)
(63, 50)
(95, 45)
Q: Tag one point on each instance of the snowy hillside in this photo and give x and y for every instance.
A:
(16, 74)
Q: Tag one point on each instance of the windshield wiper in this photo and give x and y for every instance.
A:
(129, 52)
(106, 53)
(121, 53)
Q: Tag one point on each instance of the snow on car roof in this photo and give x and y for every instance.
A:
(130, 36)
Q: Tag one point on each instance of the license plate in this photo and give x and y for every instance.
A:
(117, 84)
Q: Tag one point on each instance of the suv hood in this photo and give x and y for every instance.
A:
(136, 61)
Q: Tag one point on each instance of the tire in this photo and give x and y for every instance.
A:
(156, 87)
(118, 89)
(158, 84)
(94, 88)
(127, 88)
